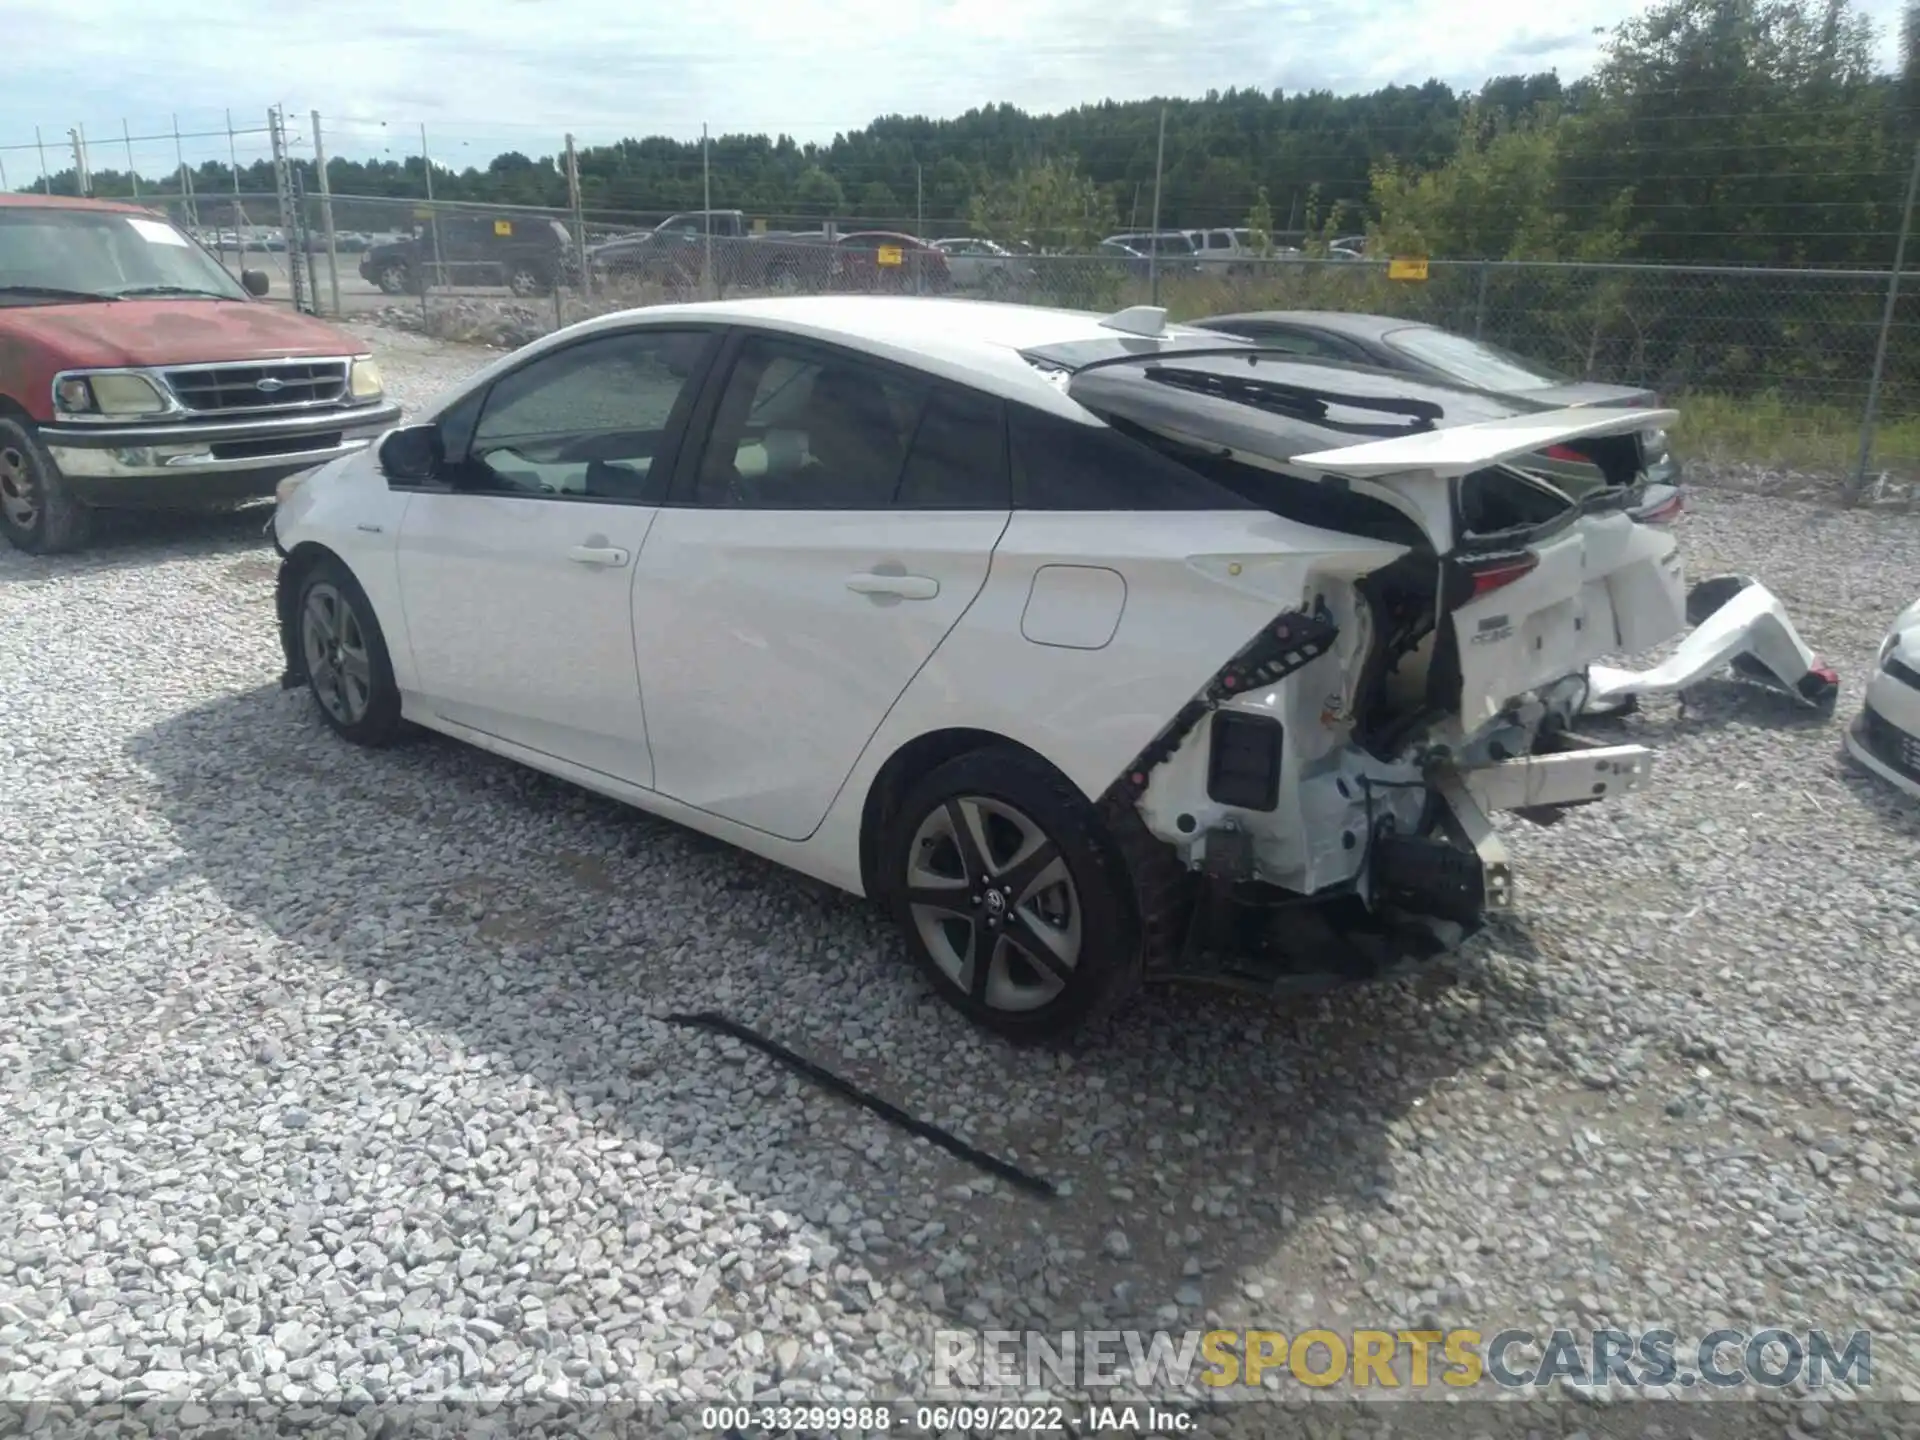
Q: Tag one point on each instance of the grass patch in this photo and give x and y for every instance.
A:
(1768, 429)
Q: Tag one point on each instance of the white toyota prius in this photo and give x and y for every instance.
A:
(1098, 650)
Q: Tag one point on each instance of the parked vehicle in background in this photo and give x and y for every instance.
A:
(1224, 249)
(1415, 348)
(527, 254)
(136, 372)
(1885, 738)
(983, 265)
(887, 262)
(1135, 263)
(1098, 651)
(729, 223)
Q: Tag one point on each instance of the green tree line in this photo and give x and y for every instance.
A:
(1749, 131)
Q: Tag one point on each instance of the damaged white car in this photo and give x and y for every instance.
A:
(1098, 651)
(1885, 737)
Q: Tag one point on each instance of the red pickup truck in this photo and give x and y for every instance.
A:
(136, 372)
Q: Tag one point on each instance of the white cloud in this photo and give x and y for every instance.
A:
(487, 75)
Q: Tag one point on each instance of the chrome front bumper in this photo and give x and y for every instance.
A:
(225, 449)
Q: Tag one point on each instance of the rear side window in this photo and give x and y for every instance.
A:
(1061, 464)
(959, 456)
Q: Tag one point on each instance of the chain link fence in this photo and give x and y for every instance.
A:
(1769, 367)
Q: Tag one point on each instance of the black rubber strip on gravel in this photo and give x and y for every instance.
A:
(932, 1134)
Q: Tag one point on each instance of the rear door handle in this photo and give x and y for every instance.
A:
(598, 555)
(907, 587)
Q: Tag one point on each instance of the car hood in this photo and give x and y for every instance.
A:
(168, 332)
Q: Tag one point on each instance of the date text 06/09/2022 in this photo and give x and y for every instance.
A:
(942, 1419)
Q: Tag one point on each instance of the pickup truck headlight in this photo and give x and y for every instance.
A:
(107, 395)
(365, 382)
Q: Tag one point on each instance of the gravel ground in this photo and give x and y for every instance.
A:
(331, 1074)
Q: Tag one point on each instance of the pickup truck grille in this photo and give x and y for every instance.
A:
(261, 388)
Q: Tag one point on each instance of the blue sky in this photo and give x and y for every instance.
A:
(490, 75)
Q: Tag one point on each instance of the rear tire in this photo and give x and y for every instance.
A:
(344, 655)
(37, 512)
(1012, 897)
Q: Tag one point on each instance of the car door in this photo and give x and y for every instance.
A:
(516, 570)
(835, 525)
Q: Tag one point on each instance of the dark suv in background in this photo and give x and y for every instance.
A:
(527, 254)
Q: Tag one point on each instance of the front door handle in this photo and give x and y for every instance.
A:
(598, 555)
(907, 587)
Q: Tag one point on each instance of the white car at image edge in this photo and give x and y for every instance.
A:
(1097, 650)
(1885, 738)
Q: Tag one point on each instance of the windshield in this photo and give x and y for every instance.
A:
(103, 252)
(1473, 362)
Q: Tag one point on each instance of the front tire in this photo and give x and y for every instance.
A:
(394, 279)
(37, 512)
(344, 654)
(1012, 896)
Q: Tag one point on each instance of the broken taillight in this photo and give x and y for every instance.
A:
(1566, 452)
(1497, 572)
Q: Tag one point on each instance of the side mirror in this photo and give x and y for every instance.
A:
(413, 453)
(255, 282)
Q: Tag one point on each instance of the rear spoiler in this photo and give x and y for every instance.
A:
(1466, 448)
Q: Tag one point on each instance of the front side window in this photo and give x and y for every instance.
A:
(591, 421)
(805, 429)
(103, 253)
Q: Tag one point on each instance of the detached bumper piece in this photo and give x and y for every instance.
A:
(1738, 624)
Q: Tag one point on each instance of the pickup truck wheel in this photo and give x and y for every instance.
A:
(345, 657)
(37, 511)
(524, 280)
(393, 278)
(1012, 896)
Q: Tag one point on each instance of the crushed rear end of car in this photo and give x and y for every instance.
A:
(1330, 792)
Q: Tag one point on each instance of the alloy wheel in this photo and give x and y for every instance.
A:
(338, 662)
(19, 498)
(994, 902)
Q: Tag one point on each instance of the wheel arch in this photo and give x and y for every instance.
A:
(917, 757)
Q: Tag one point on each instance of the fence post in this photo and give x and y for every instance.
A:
(1480, 300)
(133, 174)
(579, 217)
(1869, 420)
(1153, 246)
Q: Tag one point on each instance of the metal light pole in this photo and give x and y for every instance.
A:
(706, 188)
